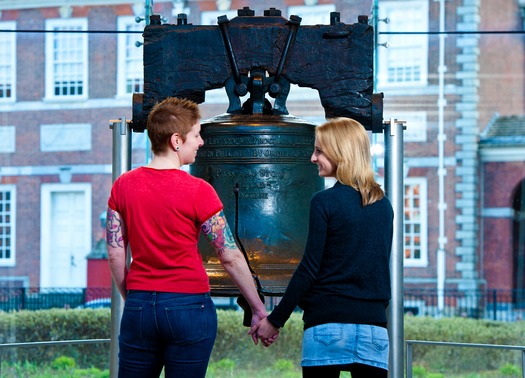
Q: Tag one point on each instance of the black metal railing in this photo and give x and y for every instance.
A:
(14, 299)
(493, 304)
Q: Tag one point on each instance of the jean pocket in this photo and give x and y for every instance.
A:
(380, 338)
(188, 324)
(328, 334)
(131, 324)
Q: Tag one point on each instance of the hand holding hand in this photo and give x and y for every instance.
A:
(265, 331)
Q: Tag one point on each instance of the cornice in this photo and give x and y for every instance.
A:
(31, 4)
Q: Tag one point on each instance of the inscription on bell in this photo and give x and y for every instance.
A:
(260, 140)
(251, 153)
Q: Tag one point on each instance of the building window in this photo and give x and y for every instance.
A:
(210, 17)
(66, 59)
(404, 61)
(7, 225)
(7, 62)
(415, 222)
(416, 125)
(130, 55)
(314, 14)
(7, 139)
(65, 137)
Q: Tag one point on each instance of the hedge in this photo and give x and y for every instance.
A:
(234, 344)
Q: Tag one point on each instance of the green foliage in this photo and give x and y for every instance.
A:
(463, 330)
(54, 325)
(234, 343)
(234, 353)
(63, 363)
(222, 368)
(419, 372)
(509, 370)
(282, 365)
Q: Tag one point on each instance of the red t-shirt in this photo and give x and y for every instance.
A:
(163, 211)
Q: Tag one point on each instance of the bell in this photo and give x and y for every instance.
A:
(260, 167)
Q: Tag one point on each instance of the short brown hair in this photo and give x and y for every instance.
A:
(172, 115)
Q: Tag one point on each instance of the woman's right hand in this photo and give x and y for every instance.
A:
(265, 331)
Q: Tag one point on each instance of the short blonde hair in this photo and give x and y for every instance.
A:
(172, 115)
(345, 142)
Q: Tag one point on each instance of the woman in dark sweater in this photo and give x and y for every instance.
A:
(342, 283)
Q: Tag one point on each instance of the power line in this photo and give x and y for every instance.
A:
(454, 32)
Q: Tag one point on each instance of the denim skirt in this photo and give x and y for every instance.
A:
(342, 344)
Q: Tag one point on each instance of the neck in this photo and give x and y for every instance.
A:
(165, 162)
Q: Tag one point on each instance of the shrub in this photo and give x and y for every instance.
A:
(419, 372)
(283, 366)
(235, 347)
(54, 325)
(63, 363)
(463, 330)
(509, 370)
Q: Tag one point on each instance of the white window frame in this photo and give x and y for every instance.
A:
(210, 17)
(80, 75)
(416, 125)
(403, 16)
(312, 14)
(66, 137)
(421, 223)
(7, 139)
(11, 261)
(8, 61)
(130, 56)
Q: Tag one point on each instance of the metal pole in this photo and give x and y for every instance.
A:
(442, 172)
(121, 163)
(409, 360)
(523, 363)
(395, 192)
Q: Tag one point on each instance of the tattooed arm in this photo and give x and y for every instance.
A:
(116, 243)
(220, 236)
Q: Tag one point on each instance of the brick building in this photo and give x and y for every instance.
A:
(59, 87)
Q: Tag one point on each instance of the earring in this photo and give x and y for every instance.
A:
(177, 148)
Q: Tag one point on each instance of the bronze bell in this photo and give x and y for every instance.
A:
(260, 167)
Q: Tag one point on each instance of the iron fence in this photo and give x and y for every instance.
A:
(490, 304)
(14, 299)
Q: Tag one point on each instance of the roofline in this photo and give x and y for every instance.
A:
(30, 4)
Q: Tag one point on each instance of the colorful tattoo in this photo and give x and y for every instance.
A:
(114, 229)
(218, 233)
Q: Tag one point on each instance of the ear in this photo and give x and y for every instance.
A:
(175, 141)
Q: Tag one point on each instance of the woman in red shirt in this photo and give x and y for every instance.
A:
(158, 211)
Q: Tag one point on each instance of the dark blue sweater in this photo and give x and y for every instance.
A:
(344, 275)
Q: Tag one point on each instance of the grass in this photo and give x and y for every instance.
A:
(64, 367)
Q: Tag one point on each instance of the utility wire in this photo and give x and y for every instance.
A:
(452, 32)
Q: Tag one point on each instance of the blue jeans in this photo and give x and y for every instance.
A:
(170, 330)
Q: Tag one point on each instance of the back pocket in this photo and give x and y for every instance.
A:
(188, 324)
(328, 334)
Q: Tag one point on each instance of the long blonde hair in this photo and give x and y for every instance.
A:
(345, 142)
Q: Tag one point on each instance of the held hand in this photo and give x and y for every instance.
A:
(265, 331)
(256, 318)
(271, 340)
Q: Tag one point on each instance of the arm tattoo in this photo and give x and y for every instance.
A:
(218, 233)
(114, 229)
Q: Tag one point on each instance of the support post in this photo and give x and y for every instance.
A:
(394, 188)
(121, 162)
